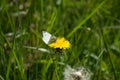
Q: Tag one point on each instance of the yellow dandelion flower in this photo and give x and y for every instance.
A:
(61, 43)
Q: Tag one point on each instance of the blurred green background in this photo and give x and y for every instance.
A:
(91, 26)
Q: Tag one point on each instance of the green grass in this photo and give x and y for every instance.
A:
(91, 26)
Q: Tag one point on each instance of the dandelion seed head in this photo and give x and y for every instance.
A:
(76, 74)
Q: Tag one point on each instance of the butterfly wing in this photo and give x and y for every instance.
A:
(46, 37)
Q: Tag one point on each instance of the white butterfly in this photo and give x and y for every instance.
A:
(48, 38)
